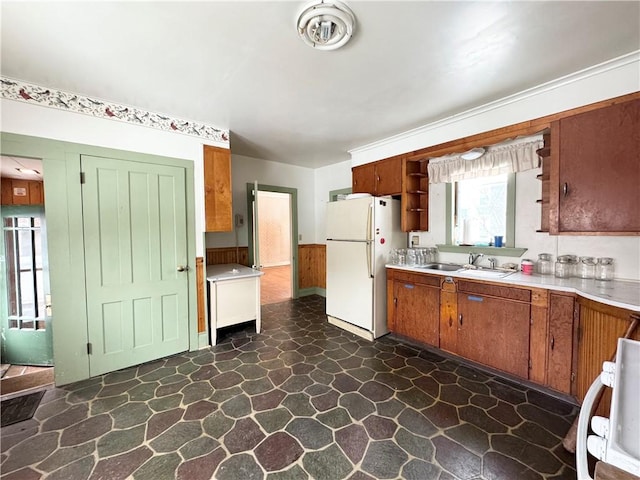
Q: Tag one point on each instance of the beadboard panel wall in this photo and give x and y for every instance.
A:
(311, 262)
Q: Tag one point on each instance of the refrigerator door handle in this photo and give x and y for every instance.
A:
(369, 236)
(369, 266)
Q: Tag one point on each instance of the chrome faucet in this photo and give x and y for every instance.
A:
(492, 262)
(474, 257)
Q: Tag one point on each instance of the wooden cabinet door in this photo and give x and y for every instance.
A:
(595, 171)
(363, 179)
(417, 311)
(388, 176)
(217, 190)
(560, 345)
(494, 332)
(600, 327)
(449, 316)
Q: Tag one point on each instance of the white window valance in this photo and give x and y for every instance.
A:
(511, 156)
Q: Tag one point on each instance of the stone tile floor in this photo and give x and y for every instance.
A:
(303, 399)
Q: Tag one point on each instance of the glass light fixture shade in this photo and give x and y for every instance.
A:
(326, 25)
(473, 154)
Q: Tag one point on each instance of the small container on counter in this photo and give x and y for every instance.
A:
(605, 269)
(544, 265)
(587, 267)
(432, 254)
(526, 266)
(564, 267)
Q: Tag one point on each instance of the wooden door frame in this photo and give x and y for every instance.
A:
(63, 212)
(293, 192)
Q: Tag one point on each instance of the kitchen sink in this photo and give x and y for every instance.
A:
(486, 273)
(446, 267)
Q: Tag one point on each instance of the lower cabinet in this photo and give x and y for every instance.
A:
(494, 332)
(600, 327)
(555, 339)
(414, 307)
(560, 365)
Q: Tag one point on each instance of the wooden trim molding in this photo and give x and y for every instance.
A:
(519, 129)
(200, 294)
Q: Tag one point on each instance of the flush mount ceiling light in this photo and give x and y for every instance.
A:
(326, 25)
(473, 154)
(28, 171)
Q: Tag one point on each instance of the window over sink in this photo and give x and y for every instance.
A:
(483, 208)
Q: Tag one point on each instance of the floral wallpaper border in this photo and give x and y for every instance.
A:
(49, 97)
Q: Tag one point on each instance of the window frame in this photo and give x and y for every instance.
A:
(20, 320)
(509, 249)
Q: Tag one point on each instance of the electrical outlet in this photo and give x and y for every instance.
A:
(239, 220)
(415, 240)
(300, 237)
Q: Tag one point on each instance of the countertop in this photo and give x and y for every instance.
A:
(618, 293)
(230, 271)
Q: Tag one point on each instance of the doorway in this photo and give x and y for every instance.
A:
(273, 240)
(25, 319)
(274, 228)
(75, 289)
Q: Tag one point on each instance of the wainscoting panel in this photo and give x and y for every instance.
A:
(312, 266)
(312, 261)
(217, 256)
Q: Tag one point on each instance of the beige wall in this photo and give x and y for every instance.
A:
(274, 215)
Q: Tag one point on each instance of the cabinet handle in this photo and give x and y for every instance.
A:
(450, 322)
(553, 342)
(460, 319)
(378, 178)
(565, 189)
(395, 302)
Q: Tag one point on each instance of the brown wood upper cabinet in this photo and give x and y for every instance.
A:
(378, 178)
(217, 189)
(595, 170)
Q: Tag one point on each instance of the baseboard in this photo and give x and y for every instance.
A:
(26, 381)
(304, 292)
(361, 332)
(203, 340)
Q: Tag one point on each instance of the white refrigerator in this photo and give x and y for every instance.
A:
(360, 235)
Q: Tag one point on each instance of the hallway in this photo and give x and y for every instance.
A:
(275, 284)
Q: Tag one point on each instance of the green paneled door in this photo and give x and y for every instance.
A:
(135, 230)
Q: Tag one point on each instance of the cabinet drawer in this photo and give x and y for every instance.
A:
(519, 294)
(418, 278)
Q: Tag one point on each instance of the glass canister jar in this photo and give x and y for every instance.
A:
(564, 266)
(605, 269)
(587, 267)
(544, 266)
(432, 254)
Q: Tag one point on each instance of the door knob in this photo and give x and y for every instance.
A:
(183, 268)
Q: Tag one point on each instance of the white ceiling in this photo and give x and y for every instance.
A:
(9, 167)
(240, 65)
